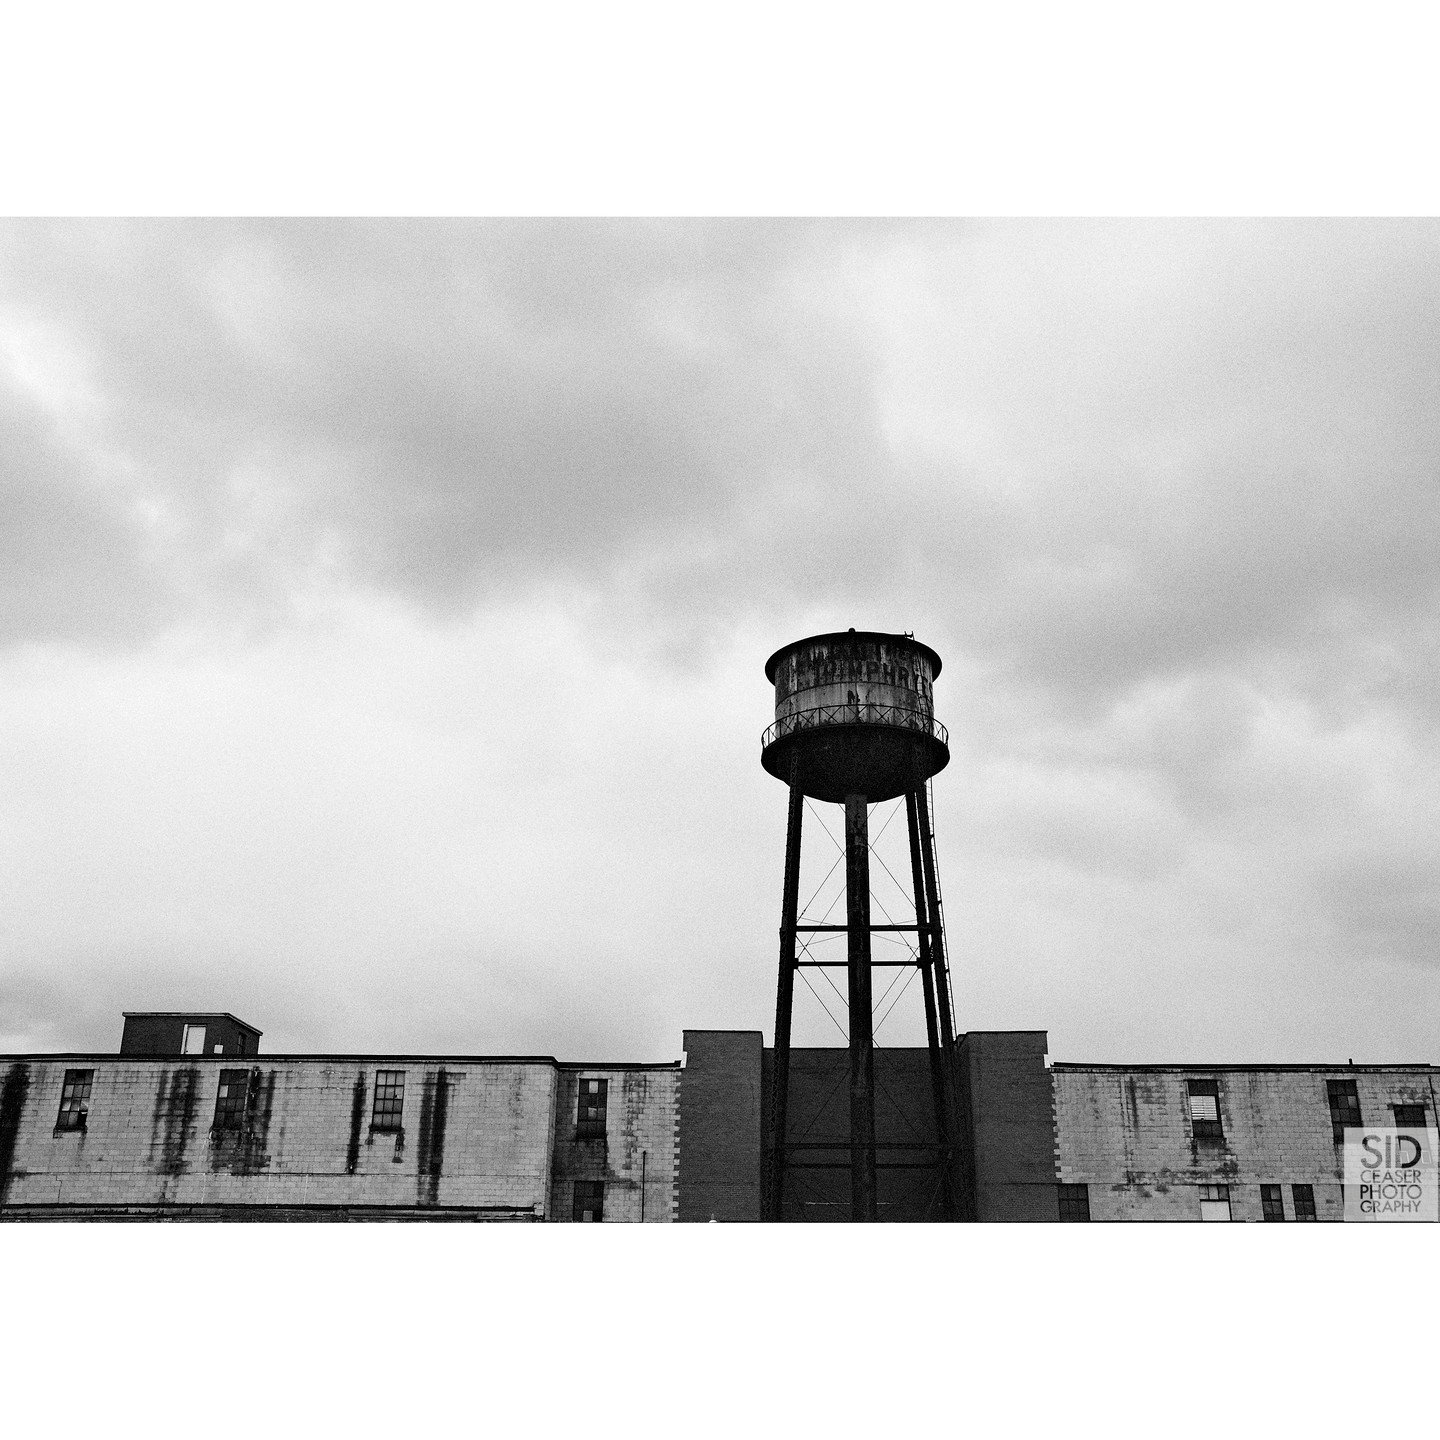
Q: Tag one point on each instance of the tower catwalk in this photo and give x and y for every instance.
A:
(854, 726)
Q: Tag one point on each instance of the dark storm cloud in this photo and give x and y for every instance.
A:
(442, 407)
(1137, 448)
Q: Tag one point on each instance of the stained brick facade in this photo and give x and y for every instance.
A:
(1126, 1133)
(226, 1136)
(635, 1159)
(477, 1138)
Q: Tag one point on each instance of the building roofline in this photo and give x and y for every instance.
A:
(229, 1061)
(1167, 1068)
(190, 1015)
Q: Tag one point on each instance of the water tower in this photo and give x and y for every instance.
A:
(855, 726)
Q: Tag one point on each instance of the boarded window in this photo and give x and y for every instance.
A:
(1272, 1202)
(193, 1042)
(590, 1112)
(1214, 1202)
(389, 1100)
(1344, 1108)
(74, 1100)
(1410, 1117)
(589, 1199)
(1204, 1109)
(230, 1101)
(1074, 1202)
(1304, 1198)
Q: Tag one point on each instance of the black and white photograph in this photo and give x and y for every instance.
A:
(737, 715)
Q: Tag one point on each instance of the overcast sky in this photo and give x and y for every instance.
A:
(383, 610)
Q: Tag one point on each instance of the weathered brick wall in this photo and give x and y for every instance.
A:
(1009, 1124)
(720, 1126)
(725, 1119)
(1126, 1133)
(636, 1159)
(476, 1134)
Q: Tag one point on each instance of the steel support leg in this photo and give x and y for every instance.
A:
(784, 1003)
(943, 1132)
(937, 938)
(959, 1120)
(862, 1045)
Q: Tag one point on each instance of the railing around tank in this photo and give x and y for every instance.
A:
(901, 717)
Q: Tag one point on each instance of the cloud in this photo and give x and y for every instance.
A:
(1163, 494)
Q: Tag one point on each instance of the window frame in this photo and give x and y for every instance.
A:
(1213, 1130)
(1302, 1199)
(1272, 1197)
(391, 1119)
(73, 1116)
(229, 1116)
(1340, 1117)
(1423, 1123)
(1217, 1195)
(592, 1126)
(1073, 1198)
(588, 1195)
(186, 1048)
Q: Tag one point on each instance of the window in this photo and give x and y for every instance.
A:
(217, 1049)
(74, 1100)
(1344, 1107)
(1410, 1117)
(194, 1041)
(230, 1102)
(389, 1100)
(1205, 1109)
(590, 1113)
(1074, 1202)
(1214, 1202)
(1272, 1202)
(1304, 1197)
(589, 1199)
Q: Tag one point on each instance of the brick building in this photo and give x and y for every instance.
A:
(1221, 1142)
(157, 1132)
(175, 1127)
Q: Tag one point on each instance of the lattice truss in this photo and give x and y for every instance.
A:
(894, 954)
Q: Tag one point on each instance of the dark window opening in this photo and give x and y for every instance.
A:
(590, 1113)
(1272, 1202)
(1205, 1109)
(1074, 1202)
(1304, 1197)
(1344, 1108)
(230, 1102)
(1410, 1117)
(74, 1100)
(589, 1199)
(389, 1100)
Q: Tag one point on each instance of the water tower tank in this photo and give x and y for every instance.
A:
(854, 715)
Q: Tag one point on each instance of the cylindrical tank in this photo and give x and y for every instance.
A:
(854, 715)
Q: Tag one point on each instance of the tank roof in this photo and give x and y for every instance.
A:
(857, 635)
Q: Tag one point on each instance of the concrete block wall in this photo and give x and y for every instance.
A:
(476, 1134)
(636, 1161)
(725, 1116)
(1009, 1125)
(1125, 1132)
(720, 1126)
